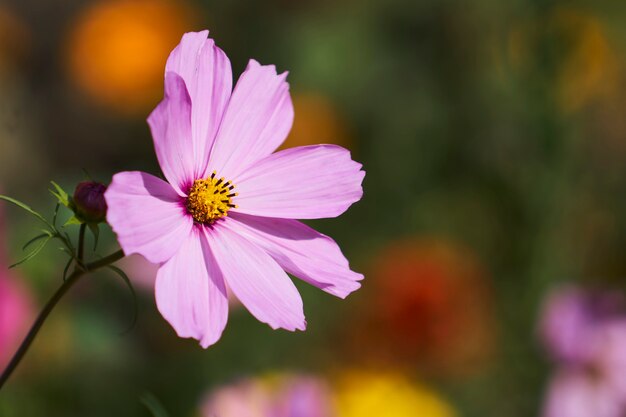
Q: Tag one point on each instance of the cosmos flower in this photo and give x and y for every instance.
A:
(585, 334)
(280, 395)
(224, 221)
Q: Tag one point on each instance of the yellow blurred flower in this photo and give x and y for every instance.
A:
(387, 395)
(590, 68)
(317, 120)
(587, 65)
(117, 49)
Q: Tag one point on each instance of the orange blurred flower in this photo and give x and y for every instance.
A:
(117, 49)
(429, 304)
(317, 120)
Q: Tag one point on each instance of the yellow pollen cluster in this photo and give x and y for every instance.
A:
(210, 199)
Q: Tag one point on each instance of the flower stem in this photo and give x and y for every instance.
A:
(81, 243)
(67, 284)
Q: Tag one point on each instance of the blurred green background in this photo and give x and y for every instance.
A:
(493, 135)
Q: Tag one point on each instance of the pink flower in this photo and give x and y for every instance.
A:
(226, 217)
(585, 333)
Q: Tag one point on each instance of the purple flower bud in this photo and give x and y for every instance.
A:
(89, 201)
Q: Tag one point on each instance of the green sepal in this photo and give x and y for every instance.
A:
(60, 194)
(73, 220)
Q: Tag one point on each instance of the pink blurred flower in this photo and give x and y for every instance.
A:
(15, 315)
(16, 309)
(585, 333)
(226, 218)
(279, 396)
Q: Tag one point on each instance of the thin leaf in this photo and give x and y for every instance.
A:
(88, 177)
(33, 253)
(153, 405)
(95, 230)
(36, 238)
(25, 207)
(126, 280)
(67, 268)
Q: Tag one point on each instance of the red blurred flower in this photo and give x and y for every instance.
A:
(428, 303)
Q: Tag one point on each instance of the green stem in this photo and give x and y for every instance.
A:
(81, 243)
(67, 284)
(107, 260)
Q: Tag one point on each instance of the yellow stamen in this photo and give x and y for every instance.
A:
(210, 199)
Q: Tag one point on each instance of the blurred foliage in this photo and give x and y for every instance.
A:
(497, 127)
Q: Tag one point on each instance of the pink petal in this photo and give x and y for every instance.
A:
(565, 325)
(257, 120)
(147, 215)
(257, 280)
(190, 291)
(307, 182)
(170, 123)
(205, 68)
(301, 251)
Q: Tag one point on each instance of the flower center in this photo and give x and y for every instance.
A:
(210, 199)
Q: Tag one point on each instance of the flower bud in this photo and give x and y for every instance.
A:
(89, 203)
